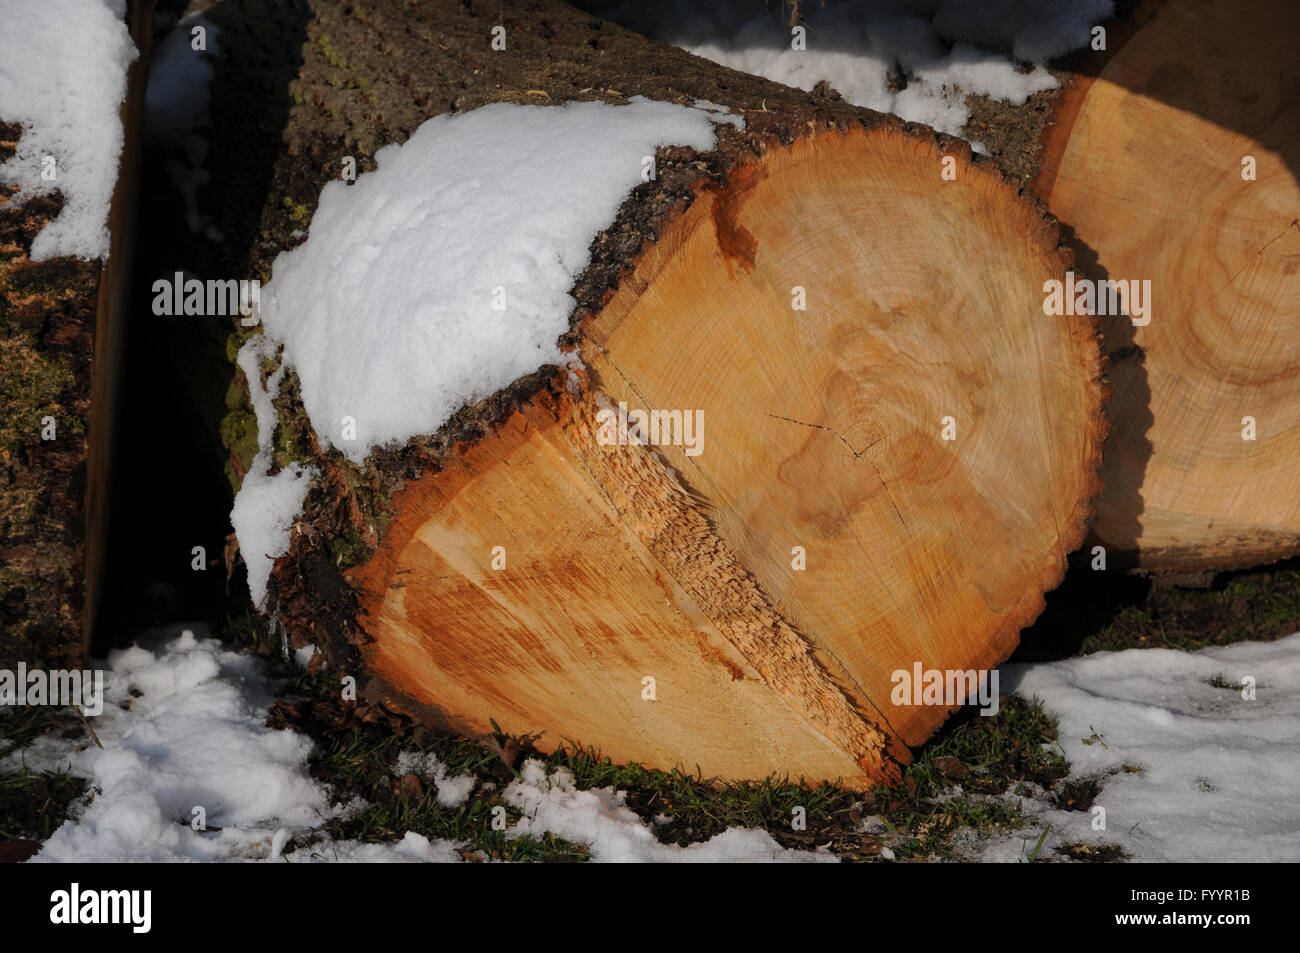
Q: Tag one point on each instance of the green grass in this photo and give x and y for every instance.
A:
(23, 724)
(947, 797)
(919, 818)
(923, 817)
(358, 766)
(1219, 681)
(1238, 609)
(1033, 857)
(1096, 612)
(34, 803)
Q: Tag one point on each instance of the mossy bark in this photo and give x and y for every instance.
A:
(61, 329)
(370, 74)
(47, 326)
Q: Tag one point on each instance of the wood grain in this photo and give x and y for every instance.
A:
(822, 430)
(1145, 165)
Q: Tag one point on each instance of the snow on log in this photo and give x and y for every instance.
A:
(695, 433)
(1175, 158)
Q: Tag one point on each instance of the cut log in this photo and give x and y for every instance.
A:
(1176, 162)
(887, 481)
(61, 322)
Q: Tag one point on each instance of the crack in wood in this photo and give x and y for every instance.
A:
(857, 455)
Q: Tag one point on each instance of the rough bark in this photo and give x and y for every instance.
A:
(678, 573)
(60, 331)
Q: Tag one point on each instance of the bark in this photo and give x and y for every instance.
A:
(628, 562)
(61, 326)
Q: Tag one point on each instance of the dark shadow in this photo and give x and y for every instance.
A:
(1172, 85)
(1094, 611)
(172, 492)
(1086, 602)
(1089, 599)
(1129, 416)
(1201, 94)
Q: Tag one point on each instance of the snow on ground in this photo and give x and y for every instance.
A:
(1220, 774)
(63, 78)
(452, 792)
(599, 819)
(194, 734)
(176, 110)
(1219, 778)
(857, 46)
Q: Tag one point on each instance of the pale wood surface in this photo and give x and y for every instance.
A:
(822, 429)
(1145, 164)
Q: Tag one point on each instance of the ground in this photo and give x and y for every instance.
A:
(1003, 787)
(998, 787)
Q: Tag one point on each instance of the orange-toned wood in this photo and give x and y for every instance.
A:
(1145, 164)
(822, 432)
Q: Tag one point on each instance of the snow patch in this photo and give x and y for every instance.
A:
(918, 59)
(1219, 776)
(452, 792)
(600, 820)
(413, 848)
(193, 735)
(184, 725)
(63, 78)
(267, 505)
(444, 275)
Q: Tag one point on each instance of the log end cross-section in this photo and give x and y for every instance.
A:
(822, 432)
(1178, 167)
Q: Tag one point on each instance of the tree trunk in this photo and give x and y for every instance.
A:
(61, 326)
(889, 480)
(1150, 162)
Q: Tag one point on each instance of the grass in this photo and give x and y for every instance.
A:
(922, 817)
(1033, 857)
(362, 766)
(950, 795)
(1093, 853)
(34, 803)
(1237, 609)
(1218, 681)
(23, 724)
(947, 794)
(1103, 611)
